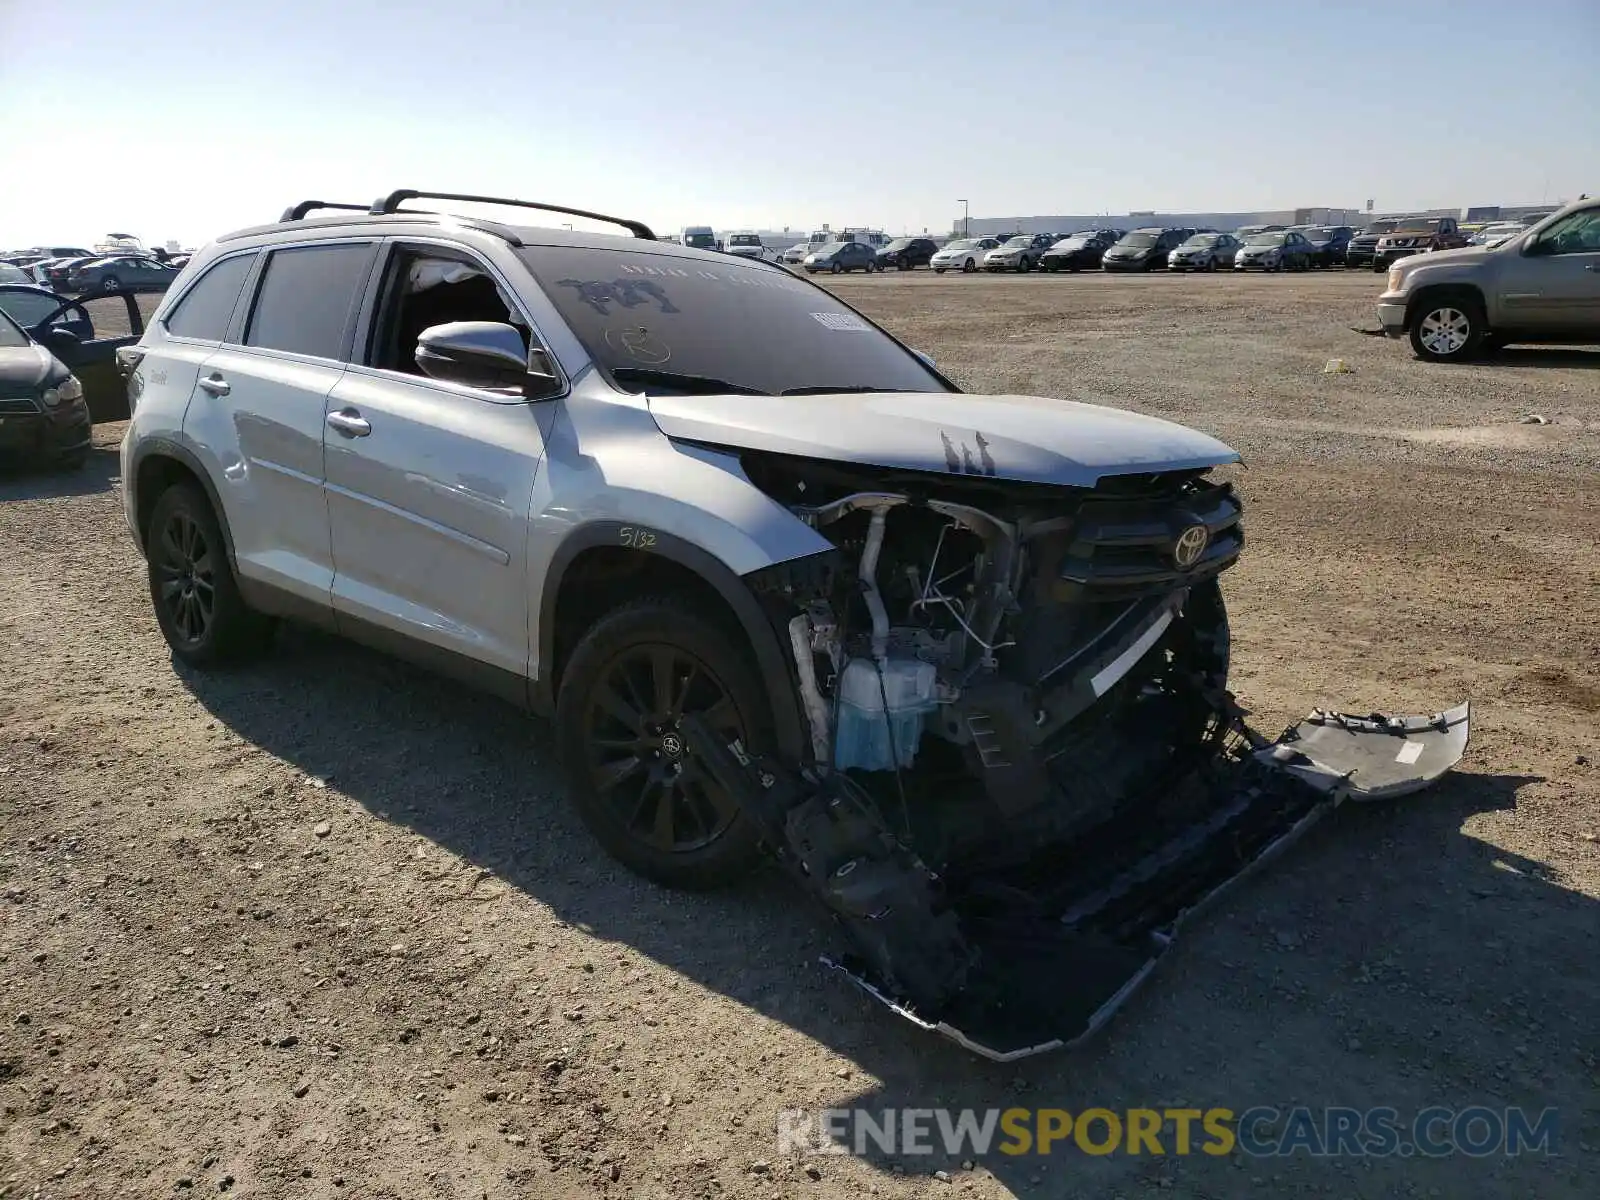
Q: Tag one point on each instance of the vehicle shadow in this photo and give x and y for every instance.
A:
(1371, 965)
(21, 480)
(1543, 356)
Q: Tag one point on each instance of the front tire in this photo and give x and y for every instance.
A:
(110, 284)
(1447, 327)
(647, 800)
(938, 270)
(192, 587)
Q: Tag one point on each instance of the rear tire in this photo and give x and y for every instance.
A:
(968, 267)
(192, 587)
(629, 682)
(837, 268)
(1447, 326)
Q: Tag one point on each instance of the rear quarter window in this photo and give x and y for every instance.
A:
(206, 308)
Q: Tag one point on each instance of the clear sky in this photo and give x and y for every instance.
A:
(181, 118)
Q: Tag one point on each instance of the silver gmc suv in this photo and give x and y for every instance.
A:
(954, 661)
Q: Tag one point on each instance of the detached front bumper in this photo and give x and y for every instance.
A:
(1049, 978)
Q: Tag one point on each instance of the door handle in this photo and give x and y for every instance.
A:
(350, 423)
(216, 385)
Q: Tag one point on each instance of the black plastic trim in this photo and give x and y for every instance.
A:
(772, 659)
(160, 447)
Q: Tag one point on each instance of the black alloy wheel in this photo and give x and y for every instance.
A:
(656, 791)
(185, 564)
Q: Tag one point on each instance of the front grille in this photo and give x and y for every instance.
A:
(18, 406)
(1121, 549)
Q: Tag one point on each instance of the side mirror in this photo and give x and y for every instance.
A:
(481, 354)
(1534, 248)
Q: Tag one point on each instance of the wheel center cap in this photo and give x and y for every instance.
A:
(671, 745)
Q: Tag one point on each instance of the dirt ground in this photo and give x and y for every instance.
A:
(326, 927)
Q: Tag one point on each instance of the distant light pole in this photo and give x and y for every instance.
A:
(966, 219)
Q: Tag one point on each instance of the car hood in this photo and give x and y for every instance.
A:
(1458, 257)
(25, 369)
(1030, 439)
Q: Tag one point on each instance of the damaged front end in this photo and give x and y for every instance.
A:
(1026, 768)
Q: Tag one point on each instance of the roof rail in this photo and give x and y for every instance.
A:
(299, 211)
(385, 205)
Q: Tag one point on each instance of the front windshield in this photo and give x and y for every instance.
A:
(1073, 242)
(10, 274)
(1201, 240)
(656, 323)
(744, 239)
(1265, 239)
(1417, 226)
(830, 248)
(700, 241)
(11, 336)
(964, 244)
(898, 244)
(1021, 239)
(1139, 241)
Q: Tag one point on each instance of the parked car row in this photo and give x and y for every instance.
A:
(1251, 247)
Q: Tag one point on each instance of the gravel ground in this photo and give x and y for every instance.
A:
(326, 927)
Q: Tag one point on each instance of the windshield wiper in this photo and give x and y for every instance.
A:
(677, 381)
(827, 390)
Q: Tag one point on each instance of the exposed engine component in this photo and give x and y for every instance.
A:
(1033, 682)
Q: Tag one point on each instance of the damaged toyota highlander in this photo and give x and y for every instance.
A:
(958, 663)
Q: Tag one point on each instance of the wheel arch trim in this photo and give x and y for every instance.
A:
(777, 673)
(164, 447)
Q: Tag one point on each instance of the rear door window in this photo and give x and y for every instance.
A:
(206, 308)
(307, 299)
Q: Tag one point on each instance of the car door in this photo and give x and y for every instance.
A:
(69, 331)
(1551, 282)
(429, 484)
(259, 406)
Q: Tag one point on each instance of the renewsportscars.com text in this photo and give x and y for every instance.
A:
(1260, 1131)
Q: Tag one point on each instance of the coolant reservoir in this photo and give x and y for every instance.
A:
(872, 735)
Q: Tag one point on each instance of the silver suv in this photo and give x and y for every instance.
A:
(1540, 286)
(778, 581)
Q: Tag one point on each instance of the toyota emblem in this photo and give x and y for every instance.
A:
(1190, 546)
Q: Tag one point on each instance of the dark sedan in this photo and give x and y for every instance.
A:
(115, 274)
(42, 413)
(1143, 250)
(1283, 251)
(1328, 244)
(905, 254)
(839, 257)
(1079, 252)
